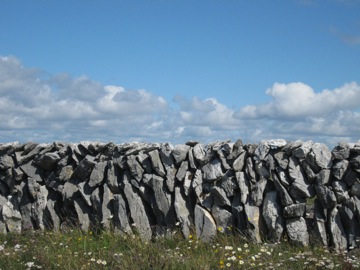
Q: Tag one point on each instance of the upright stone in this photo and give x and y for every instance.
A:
(213, 170)
(297, 231)
(180, 153)
(182, 213)
(204, 224)
(271, 212)
(97, 174)
(336, 231)
(156, 162)
(121, 222)
(135, 168)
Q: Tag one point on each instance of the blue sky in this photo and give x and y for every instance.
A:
(180, 70)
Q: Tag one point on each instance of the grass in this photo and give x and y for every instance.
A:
(74, 249)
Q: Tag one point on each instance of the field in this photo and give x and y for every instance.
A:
(74, 249)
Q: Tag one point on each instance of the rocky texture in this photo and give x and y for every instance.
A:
(301, 190)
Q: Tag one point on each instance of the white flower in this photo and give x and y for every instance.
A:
(29, 264)
(241, 262)
(103, 262)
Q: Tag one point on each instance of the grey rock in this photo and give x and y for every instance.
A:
(261, 170)
(162, 201)
(238, 212)
(96, 207)
(192, 163)
(323, 177)
(319, 232)
(355, 163)
(350, 177)
(169, 164)
(348, 221)
(253, 220)
(145, 161)
(182, 213)
(31, 171)
(137, 212)
(319, 157)
(48, 161)
(213, 170)
(83, 213)
(309, 173)
(249, 169)
(341, 151)
(243, 184)
(204, 224)
(135, 168)
(18, 174)
(239, 162)
(121, 222)
(237, 149)
(282, 159)
(300, 188)
(180, 175)
(39, 207)
(11, 215)
(97, 174)
(276, 143)
(112, 177)
(200, 155)
(6, 162)
(197, 185)
(340, 168)
(355, 189)
(220, 197)
(283, 177)
(326, 196)
(83, 170)
(271, 211)
(70, 191)
(66, 173)
(51, 217)
(285, 198)
(33, 188)
(222, 158)
(156, 162)
(262, 150)
(294, 210)
(340, 190)
(336, 231)
(223, 218)
(187, 183)
(85, 192)
(180, 153)
(297, 231)
(107, 208)
(257, 192)
(303, 150)
(229, 184)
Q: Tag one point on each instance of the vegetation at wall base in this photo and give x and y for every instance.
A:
(75, 249)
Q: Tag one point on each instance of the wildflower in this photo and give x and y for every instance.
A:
(1, 248)
(280, 254)
(233, 258)
(246, 245)
(93, 259)
(239, 249)
(221, 262)
(190, 236)
(103, 262)
(99, 261)
(241, 262)
(220, 229)
(29, 264)
(253, 258)
(228, 264)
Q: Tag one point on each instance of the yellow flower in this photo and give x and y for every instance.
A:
(190, 236)
(221, 262)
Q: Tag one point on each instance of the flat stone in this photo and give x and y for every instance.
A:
(48, 161)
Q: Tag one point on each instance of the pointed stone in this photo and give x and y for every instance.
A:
(135, 168)
(271, 212)
(336, 231)
(192, 163)
(249, 169)
(51, 217)
(137, 212)
(220, 197)
(300, 188)
(85, 192)
(107, 208)
(39, 207)
(257, 192)
(204, 224)
(112, 177)
(326, 196)
(180, 175)
(319, 158)
(156, 163)
(197, 185)
(121, 222)
(340, 168)
(187, 183)
(145, 162)
(83, 212)
(320, 233)
(282, 159)
(70, 191)
(285, 198)
(253, 221)
(239, 162)
(243, 184)
(182, 213)
(31, 171)
(48, 160)
(341, 192)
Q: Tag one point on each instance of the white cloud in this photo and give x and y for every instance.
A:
(44, 109)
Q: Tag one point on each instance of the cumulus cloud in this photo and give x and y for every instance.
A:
(38, 107)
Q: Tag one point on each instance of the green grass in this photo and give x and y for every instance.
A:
(76, 250)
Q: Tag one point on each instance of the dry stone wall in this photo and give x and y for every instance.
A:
(298, 190)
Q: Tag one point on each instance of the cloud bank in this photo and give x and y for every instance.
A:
(34, 107)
